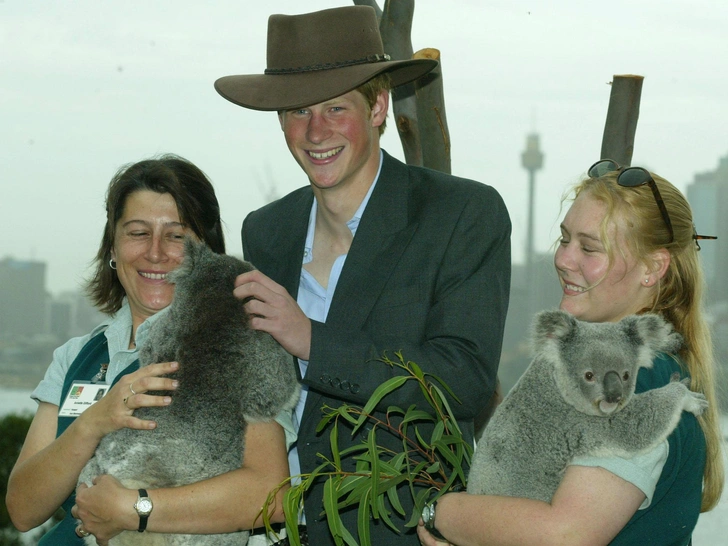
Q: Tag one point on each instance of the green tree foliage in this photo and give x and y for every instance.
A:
(13, 429)
(429, 465)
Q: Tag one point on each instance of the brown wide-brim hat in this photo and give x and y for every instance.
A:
(317, 56)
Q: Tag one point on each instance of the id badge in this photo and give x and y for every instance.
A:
(81, 396)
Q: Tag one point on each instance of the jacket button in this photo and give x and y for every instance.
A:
(325, 378)
(345, 385)
(354, 388)
(335, 382)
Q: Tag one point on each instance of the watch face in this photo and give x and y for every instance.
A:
(143, 506)
(426, 514)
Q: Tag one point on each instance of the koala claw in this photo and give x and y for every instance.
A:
(696, 403)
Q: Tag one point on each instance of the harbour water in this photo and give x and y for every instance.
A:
(712, 528)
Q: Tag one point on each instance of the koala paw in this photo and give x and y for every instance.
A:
(695, 403)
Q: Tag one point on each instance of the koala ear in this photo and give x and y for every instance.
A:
(551, 325)
(193, 250)
(651, 330)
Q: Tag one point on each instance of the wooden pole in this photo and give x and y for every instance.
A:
(395, 27)
(435, 135)
(622, 116)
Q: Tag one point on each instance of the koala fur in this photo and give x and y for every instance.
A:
(229, 375)
(577, 398)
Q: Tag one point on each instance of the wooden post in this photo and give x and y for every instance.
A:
(434, 133)
(622, 116)
(395, 27)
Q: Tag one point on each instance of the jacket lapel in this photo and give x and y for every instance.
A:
(288, 244)
(382, 237)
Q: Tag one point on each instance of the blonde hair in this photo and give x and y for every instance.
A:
(679, 293)
(371, 90)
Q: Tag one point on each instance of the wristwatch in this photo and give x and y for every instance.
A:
(428, 517)
(143, 507)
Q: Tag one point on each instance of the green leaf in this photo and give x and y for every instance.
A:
(292, 507)
(334, 442)
(373, 453)
(332, 514)
(445, 386)
(397, 462)
(380, 392)
(384, 513)
(446, 404)
(437, 432)
(346, 412)
(416, 370)
(363, 519)
(417, 415)
(325, 421)
(395, 410)
(421, 440)
(392, 493)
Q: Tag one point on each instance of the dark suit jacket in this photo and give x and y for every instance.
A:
(427, 274)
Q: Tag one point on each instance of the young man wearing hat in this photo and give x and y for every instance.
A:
(373, 255)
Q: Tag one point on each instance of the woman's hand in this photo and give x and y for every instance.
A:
(106, 508)
(115, 410)
(426, 538)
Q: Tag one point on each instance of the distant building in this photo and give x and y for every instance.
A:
(708, 197)
(60, 319)
(525, 302)
(82, 315)
(22, 298)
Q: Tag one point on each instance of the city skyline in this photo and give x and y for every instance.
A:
(89, 86)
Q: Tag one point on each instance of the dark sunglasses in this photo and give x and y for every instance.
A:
(631, 177)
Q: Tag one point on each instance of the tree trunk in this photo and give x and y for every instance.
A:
(622, 116)
(422, 145)
(435, 136)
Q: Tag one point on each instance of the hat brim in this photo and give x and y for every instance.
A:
(273, 92)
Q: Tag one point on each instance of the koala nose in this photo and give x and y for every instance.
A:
(612, 387)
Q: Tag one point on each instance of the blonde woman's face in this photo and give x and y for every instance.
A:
(592, 291)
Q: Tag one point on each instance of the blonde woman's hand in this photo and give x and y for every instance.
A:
(426, 538)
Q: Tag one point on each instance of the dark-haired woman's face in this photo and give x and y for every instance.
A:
(149, 243)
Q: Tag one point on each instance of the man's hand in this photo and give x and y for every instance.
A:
(273, 310)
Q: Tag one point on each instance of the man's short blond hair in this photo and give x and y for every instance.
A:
(371, 90)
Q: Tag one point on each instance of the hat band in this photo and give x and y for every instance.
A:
(376, 58)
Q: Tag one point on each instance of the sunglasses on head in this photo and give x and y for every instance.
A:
(631, 177)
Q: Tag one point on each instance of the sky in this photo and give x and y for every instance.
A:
(90, 85)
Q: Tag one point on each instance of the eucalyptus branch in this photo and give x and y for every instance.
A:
(425, 467)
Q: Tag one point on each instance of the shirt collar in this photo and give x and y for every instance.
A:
(118, 330)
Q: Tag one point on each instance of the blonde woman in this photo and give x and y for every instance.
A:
(628, 245)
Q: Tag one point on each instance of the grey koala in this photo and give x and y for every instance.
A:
(229, 375)
(577, 398)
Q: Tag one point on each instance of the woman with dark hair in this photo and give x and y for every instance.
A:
(151, 207)
(628, 246)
